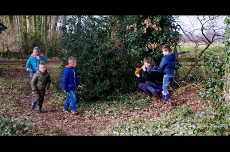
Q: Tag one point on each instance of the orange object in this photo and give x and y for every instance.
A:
(138, 70)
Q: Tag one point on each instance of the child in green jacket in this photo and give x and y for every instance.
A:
(39, 84)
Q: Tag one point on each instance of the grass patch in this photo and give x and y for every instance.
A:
(179, 122)
(190, 49)
(7, 82)
(8, 127)
(53, 132)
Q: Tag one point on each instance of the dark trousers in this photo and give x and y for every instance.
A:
(150, 88)
(31, 74)
(38, 98)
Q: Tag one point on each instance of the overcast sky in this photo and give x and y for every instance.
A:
(190, 23)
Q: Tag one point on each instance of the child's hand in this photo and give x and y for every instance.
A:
(143, 67)
(27, 69)
(33, 92)
(79, 86)
(137, 75)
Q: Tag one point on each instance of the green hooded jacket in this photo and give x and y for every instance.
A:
(40, 81)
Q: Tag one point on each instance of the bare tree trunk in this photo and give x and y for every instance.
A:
(11, 20)
(24, 29)
(19, 25)
(227, 85)
(45, 34)
(25, 38)
(54, 32)
(227, 79)
(49, 22)
(34, 25)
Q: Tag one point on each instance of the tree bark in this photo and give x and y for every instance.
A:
(45, 35)
(227, 79)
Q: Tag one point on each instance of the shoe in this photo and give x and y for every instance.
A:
(166, 97)
(74, 112)
(65, 110)
(33, 106)
(40, 110)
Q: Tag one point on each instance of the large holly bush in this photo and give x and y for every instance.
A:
(108, 48)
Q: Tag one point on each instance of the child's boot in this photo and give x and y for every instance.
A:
(166, 97)
(40, 109)
(74, 112)
(64, 110)
(33, 105)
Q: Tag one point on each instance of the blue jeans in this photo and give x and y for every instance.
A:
(167, 79)
(70, 102)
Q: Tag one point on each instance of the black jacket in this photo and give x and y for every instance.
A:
(152, 74)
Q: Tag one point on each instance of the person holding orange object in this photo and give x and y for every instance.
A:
(151, 77)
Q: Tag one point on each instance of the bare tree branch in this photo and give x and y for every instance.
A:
(209, 34)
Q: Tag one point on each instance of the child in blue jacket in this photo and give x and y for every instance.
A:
(34, 60)
(167, 67)
(69, 83)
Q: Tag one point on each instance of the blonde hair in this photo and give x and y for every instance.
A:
(71, 58)
(36, 48)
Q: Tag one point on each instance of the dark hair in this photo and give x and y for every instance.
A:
(149, 60)
(167, 47)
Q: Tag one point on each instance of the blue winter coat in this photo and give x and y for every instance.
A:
(168, 63)
(32, 63)
(69, 79)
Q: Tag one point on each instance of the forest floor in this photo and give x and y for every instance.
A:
(94, 118)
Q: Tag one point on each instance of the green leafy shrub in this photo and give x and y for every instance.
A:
(137, 40)
(214, 85)
(106, 63)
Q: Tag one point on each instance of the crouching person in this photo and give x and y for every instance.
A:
(151, 78)
(40, 83)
